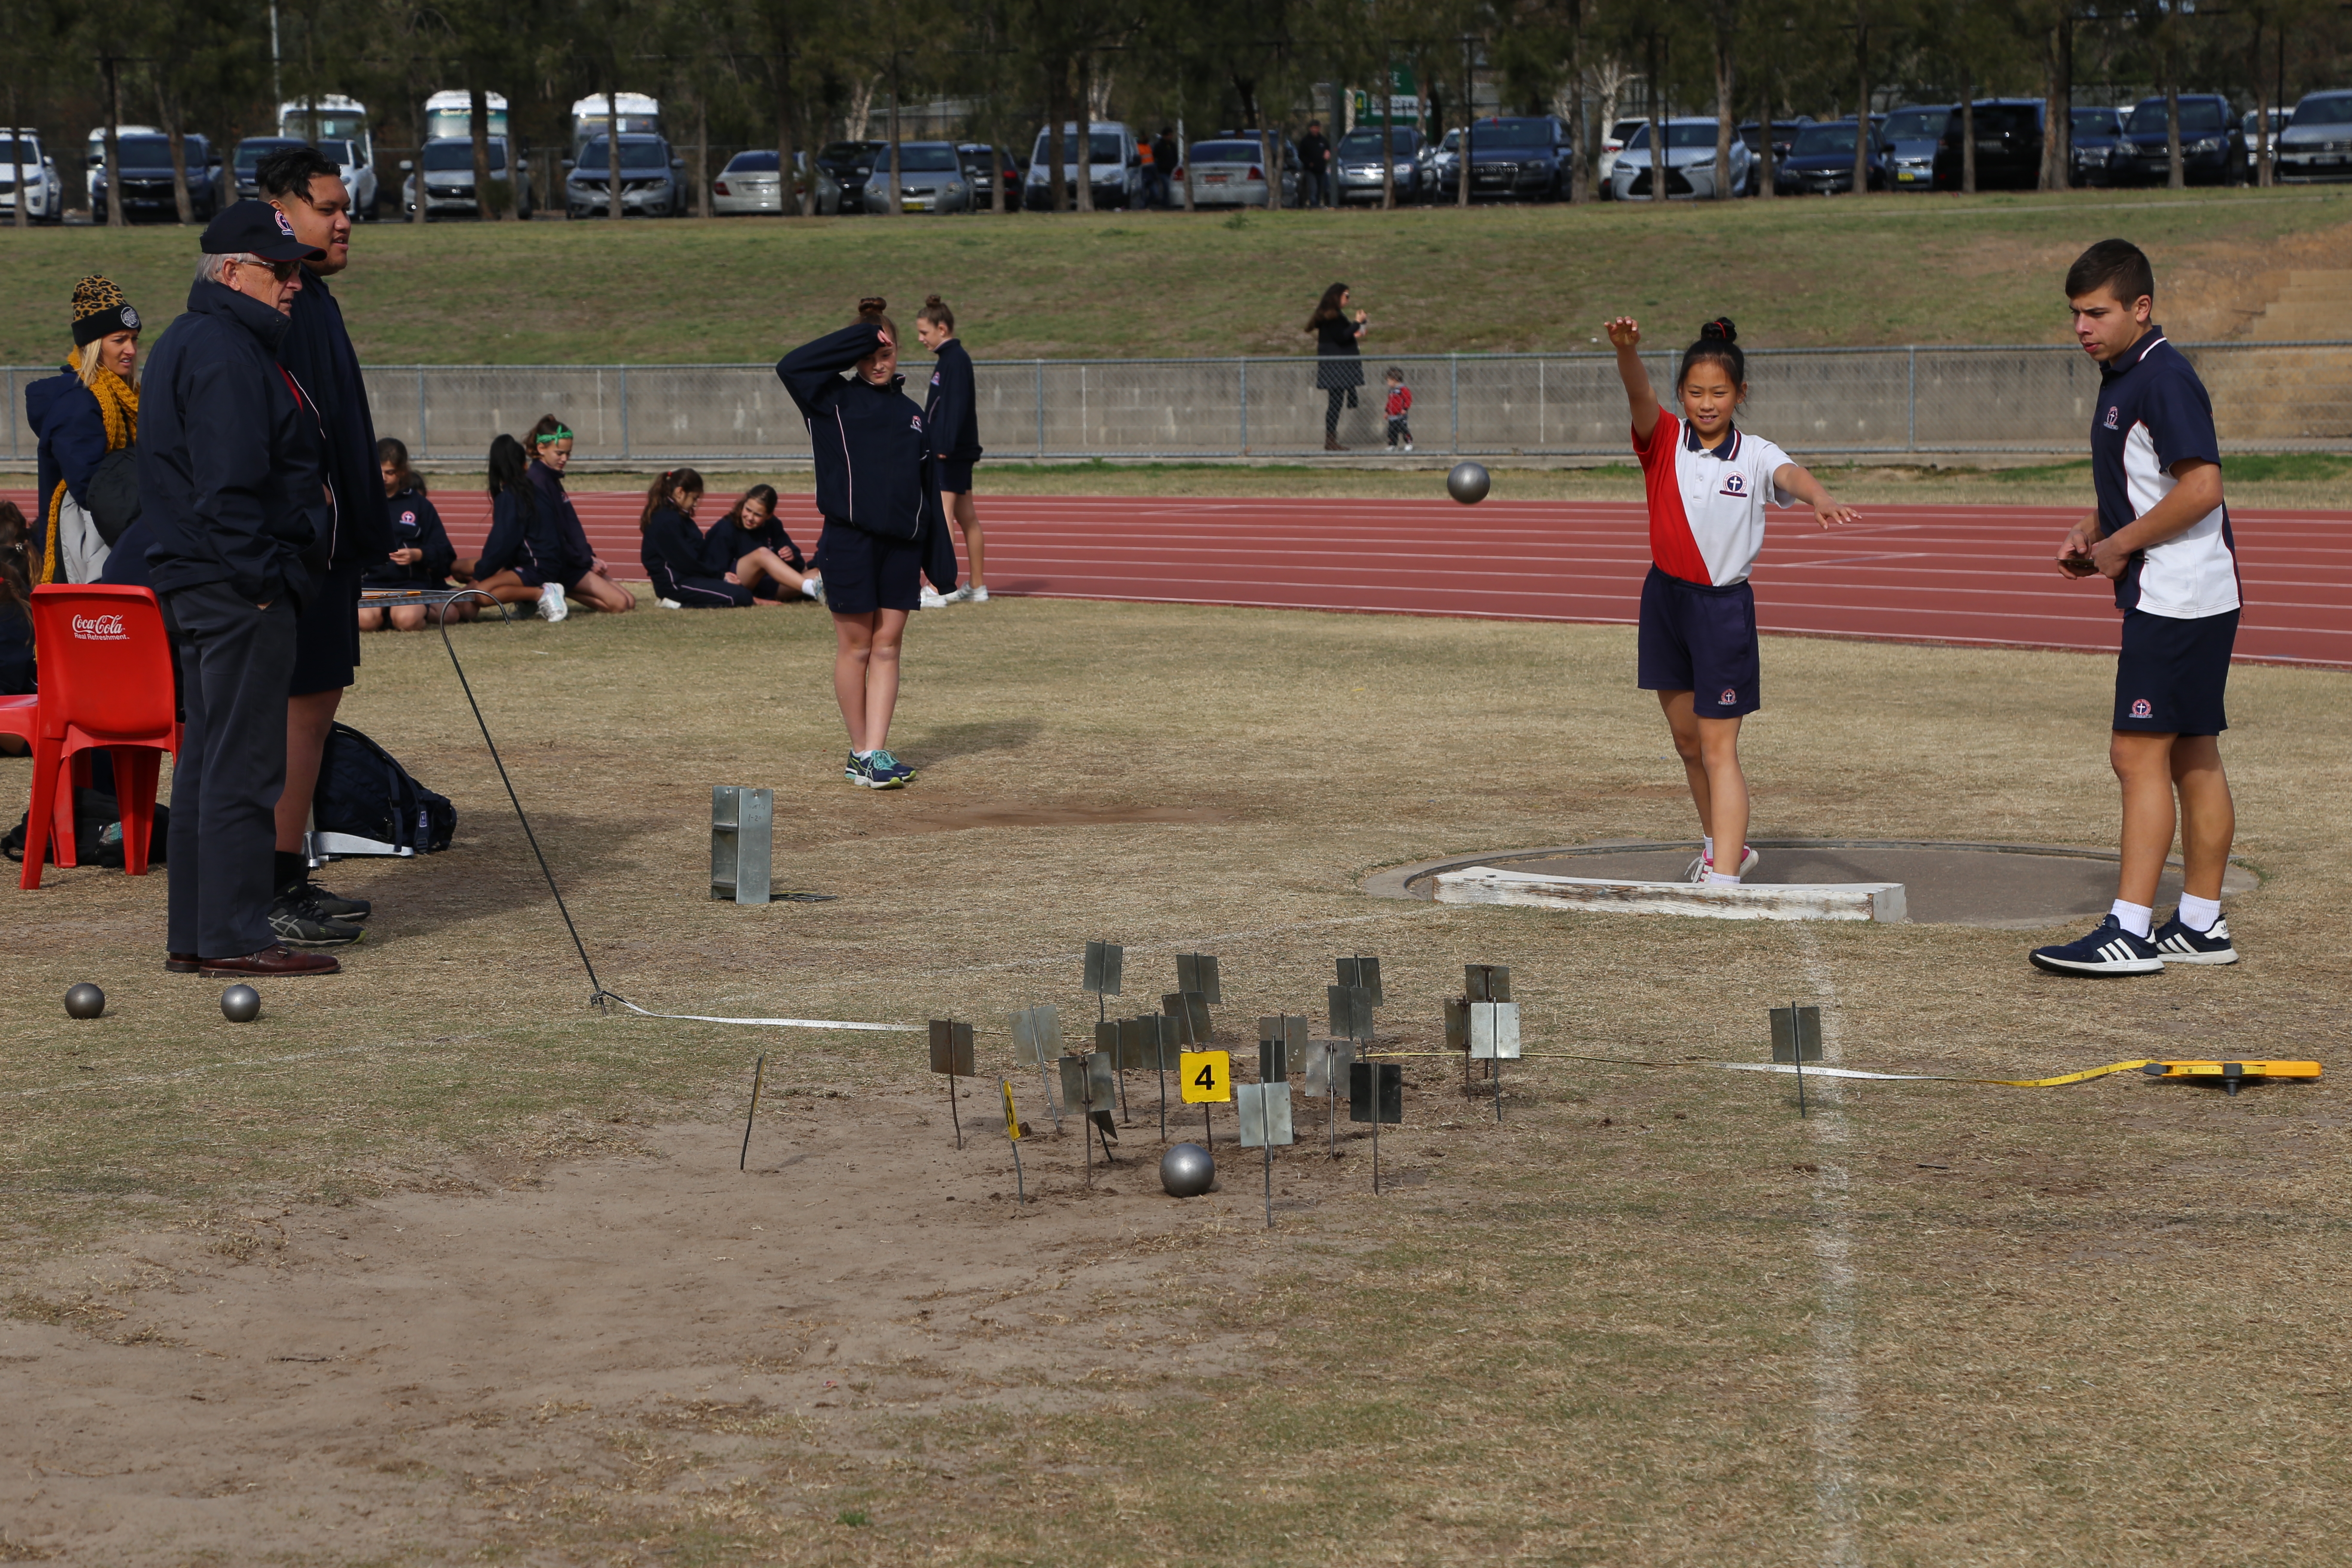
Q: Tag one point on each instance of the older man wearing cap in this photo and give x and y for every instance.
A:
(232, 485)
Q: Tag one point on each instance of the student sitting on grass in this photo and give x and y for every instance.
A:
(421, 552)
(677, 555)
(537, 548)
(763, 556)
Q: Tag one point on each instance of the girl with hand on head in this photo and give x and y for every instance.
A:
(1705, 482)
(878, 488)
(762, 556)
(421, 554)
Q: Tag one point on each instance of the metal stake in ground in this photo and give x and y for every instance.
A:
(1375, 1094)
(1495, 1039)
(1013, 1136)
(952, 1055)
(1037, 1037)
(758, 1071)
(1327, 1065)
(1480, 982)
(1281, 1042)
(1797, 1039)
(1264, 1110)
(1162, 1033)
(1106, 961)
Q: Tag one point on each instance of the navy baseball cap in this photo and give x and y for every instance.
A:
(252, 227)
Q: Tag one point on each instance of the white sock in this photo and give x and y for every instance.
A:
(2133, 918)
(1709, 851)
(2199, 914)
(808, 586)
(1716, 879)
(861, 756)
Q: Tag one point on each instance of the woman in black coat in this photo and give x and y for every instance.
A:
(878, 488)
(1338, 367)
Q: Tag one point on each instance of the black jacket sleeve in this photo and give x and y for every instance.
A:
(432, 538)
(953, 419)
(15, 651)
(813, 370)
(506, 546)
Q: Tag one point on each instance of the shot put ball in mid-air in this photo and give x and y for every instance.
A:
(240, 1004)
(1467, 483)
(1186, 1171)
(84, 1001)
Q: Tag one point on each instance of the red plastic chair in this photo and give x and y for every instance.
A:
(106, 680)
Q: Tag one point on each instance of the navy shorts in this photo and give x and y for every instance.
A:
(864, 572)
(532, 577)
(955, 478)
(326, 634)
(2170, 674)
(1702, 640)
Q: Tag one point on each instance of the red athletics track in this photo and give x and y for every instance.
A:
(1963, 575)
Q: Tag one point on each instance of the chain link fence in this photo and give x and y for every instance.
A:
(2267, 397)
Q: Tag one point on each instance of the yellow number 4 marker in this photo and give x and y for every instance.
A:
(1207, 1077)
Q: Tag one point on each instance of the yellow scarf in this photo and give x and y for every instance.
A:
(118, 404)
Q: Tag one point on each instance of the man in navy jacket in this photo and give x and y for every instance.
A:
(233, 490)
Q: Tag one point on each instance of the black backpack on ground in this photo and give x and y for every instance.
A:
(364, 792)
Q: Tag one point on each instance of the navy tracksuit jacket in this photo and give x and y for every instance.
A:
(873, 458)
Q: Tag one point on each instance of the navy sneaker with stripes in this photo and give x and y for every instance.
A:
(2109, 950)
(2181, 945)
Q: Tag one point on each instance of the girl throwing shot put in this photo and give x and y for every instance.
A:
(877, 487)
(1705, 482)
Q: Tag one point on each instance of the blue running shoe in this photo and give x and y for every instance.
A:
(890, 773)
(860, 770)
(2180, 946)
(2108, 951)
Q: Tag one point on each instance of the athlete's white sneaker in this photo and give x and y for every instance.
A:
(669, 603)
(551, 607)
(967, 595)
(1699, 867)
(2181, 945)
(814, 586)
(978, 595)
(929, 599)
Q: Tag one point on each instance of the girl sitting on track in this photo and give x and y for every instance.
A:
(421, 555)
(1706, 482)
(543, 553)
(877, 487)
(677, 555)
(763, 556)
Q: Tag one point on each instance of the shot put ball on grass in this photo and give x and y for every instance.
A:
(240, 1004)
(84, 1001)
(1467, 483)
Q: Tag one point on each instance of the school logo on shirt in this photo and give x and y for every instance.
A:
(408, 519)
(1735, 484)
(935, 378)
(2140, 708)
(1730, 698)
(916, 423)
(284, 226)
(2114, 412)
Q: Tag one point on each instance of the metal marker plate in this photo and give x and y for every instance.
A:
(742, 839)
(951, 1047)
(1198, 972)
(1191, 1010)
(1105, 961)
(1365, 973)
(1457, 1025)
(1796, 1034)
(1487, 982)
(1106, 1036)
(1351, 1011)
(1163, 1041)
(1494, 1031)
(1360, 1079)
(1265, 1115)
(1325, 1064)
(1037, 1034)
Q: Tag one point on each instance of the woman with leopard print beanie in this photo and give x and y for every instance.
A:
(82, 416)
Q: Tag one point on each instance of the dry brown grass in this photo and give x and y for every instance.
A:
(1653, 1318)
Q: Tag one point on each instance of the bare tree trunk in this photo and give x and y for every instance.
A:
(1056, 141)
(167, 116)
(1968, 130)
(2261, 112)
(890, 174)
(1579, 156)
(477, 126)
(2176, 180)
(1767, 178)
(1861, 102)
(417, 168)
(509, 142)
(1657, 121)
(1184, 162)
(115, 218)
(787, 155)
(1085, 153)
(2053, 178)
(1469, 118)
(612, 153)
(860, 117)
(702, 159)
(17, 154)
(1726, 115)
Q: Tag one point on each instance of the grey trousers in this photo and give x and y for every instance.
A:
(235, 662)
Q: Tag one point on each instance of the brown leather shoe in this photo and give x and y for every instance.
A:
(276, 961)
(181, 964)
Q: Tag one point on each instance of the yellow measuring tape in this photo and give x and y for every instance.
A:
(2153, 1068)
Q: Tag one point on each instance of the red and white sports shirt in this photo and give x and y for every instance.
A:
(1706, 509)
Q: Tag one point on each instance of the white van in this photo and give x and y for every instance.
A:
(638, 114)
(1114, 167)
(450, 113)
(329, 117)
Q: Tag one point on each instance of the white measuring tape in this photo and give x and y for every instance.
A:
(772, 1023)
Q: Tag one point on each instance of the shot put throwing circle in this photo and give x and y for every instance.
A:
(1467, 483)
(1186, 1171)
(84, 1001)
(240, 1004)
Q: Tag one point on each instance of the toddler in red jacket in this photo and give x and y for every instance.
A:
(1400, 404)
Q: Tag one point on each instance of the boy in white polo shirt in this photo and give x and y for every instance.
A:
(2162, 534)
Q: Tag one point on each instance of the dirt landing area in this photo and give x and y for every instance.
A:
(650, 1334)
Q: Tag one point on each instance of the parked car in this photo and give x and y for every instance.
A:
(248, 157)
(1820, 161)
(1689, 163)
(1522, 157)
(979, 159)
(2317, 141)
(44, 193)
(147, 180)
(1907, 143)
(330, 117)
(2091, 143)
(1225, 174)
(749, 183)
(450, 178)
(1356, 165)
(849, 163)
(2250, 128)
(1784, 136)
(1603, 166)
(351, 160)
(1114, 168)
(2009, 133)
(2212, 148)
(653, 178)
(930, 180)
(95, 155)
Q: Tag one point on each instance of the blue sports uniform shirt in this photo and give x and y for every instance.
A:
(2153, 412)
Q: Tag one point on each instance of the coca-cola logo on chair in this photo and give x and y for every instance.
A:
(100, 628)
